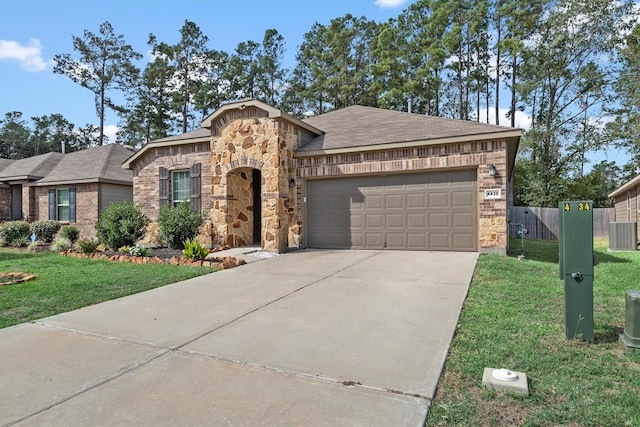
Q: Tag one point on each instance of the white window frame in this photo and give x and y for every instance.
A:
(62, 205)
(175, 197)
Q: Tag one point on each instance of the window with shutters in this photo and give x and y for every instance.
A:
(62, 204)
(181, 185)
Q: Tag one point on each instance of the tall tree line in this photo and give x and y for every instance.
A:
(571, 66)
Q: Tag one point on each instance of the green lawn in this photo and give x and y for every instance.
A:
(64, 283)
(513, 317)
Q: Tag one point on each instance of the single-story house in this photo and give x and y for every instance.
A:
(357, 177)
(72, 188)
(626, 202)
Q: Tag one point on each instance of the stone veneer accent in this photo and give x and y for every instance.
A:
(493, 232)
(246, 139)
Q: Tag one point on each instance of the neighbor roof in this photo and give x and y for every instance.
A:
(357, 127)
(31, 168)
(101, 164)
(4, 163)
(626, 187)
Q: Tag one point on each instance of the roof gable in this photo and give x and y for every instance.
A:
(625, 187)
(216, 120)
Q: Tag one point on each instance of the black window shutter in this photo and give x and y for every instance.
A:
(164, 186)
(52, 204)
(72, 205)
(195, 184)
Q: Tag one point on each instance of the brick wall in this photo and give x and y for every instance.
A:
(492, 213)
(5, 203)
(146, 178)
(86, 207)
(146, 182)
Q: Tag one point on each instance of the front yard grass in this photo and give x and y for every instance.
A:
(65, 283)
(513, 318)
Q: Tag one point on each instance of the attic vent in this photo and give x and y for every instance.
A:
(623, 236)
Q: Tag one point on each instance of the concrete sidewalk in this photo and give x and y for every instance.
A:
(305, 338)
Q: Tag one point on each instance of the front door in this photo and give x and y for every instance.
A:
(16, 202)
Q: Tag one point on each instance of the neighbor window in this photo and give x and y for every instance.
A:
(180, 186)
(62, 204)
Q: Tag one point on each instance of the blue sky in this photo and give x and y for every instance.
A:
(33, 31)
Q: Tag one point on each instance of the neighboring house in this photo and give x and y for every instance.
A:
(19, 177)
(358, 177)
(626, 200)
(72, 188)
(5, 192)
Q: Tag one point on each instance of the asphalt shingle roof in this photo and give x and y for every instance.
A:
(359, 126)
(101, 164)
(31, 168)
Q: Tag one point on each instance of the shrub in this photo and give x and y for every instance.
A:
(61, 244)
(15, 233)
(70, 232)
(121, 224)
(124, 249)
(45, 230)
(33, 245)
(87, 246)
(140, 251)
(178, 224)
(194, 250)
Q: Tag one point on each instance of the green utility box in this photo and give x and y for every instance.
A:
(576, 267)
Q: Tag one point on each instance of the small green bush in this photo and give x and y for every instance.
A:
(140, 251)
(15, 233)
(121, 224)
(45, 230)
(178, 224)
(71, 232)
(88, 246)
(124, 249)
(194, 250)
(61, 244)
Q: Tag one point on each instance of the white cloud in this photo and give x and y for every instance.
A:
(110, 132)
(389, 3)
(523, 121)
(29, 57)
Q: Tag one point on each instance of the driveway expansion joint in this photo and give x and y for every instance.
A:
(346, 383)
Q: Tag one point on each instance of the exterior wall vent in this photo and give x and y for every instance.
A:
(623, 236)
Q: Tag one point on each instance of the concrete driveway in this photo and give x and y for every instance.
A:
(306, 338)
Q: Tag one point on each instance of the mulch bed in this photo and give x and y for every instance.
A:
(164, 256)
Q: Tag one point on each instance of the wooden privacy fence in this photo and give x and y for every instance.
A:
(542, 223)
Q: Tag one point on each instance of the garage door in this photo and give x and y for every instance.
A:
(426, 211)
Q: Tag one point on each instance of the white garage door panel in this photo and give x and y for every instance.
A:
(418, 211)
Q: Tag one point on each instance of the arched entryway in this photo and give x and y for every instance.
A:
(244, 209)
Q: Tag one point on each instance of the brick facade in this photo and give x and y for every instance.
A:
(493, 232)
(5, 203)
(253, 137)
(86, 206)
(146, 181)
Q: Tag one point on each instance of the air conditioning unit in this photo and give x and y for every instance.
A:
(623, 236)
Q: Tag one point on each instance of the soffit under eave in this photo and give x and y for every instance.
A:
(626, 187)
